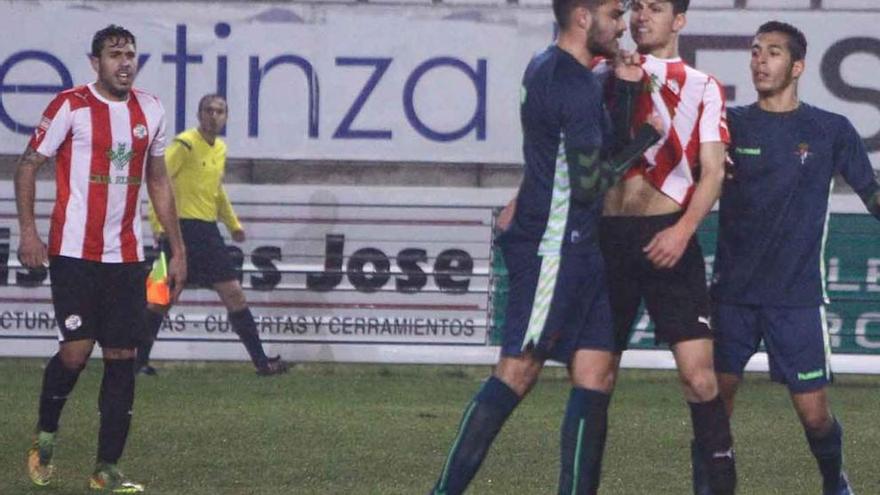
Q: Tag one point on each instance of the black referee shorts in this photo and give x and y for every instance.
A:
(207, 258)
(677, 298)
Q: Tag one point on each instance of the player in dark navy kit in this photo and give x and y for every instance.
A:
(767, 282)
(558, 308)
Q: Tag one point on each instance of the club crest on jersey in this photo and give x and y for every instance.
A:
(803, 152)
(121, 157)
(139, 131)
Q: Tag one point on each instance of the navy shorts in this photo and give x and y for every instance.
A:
(562, 299)
(98, 301)
(796, 340)
(207, 258)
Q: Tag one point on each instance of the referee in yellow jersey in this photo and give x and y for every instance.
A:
(196, 162)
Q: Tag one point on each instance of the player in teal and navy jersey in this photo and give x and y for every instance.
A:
(558, 307)
(773, 221)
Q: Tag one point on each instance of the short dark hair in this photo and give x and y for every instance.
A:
(562, 9)
(208, 98)
(680, 6)
(110, 32)
(797, 42)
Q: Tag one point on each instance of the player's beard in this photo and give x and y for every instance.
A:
(608, 49)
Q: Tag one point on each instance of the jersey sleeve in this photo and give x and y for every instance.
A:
(851, 159)
(713, 119)
(225, 212)
(54, 127)
(582, 118)
(157, 148)
(176, 155)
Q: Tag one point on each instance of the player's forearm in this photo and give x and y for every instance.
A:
(225, 212)
(162, 197)
(706, 193)
(622, 111)
(25, 190)
(591, 176)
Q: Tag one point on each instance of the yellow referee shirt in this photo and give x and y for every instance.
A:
(196, 169)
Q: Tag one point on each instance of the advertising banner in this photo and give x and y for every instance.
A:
(411, 83)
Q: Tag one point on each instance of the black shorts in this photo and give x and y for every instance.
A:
(98, 301)
(677, 298)
(207, 258)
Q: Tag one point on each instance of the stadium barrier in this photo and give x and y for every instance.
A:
(396, 275)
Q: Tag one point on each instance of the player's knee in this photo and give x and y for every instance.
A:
(75, 362)
(816, 423)
(700, 384)
(519, 378)
(601, 380)
(232, 295)
(119, 354)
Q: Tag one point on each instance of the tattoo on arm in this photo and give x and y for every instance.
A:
(30, 158)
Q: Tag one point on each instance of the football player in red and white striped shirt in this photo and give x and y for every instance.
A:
(649, 221)
(107, 138)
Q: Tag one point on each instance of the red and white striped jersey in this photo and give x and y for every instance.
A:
(691, 104)
(101, 148)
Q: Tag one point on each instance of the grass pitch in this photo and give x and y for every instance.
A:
(216, 428)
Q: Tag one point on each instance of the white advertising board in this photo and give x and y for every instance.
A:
(381, 82)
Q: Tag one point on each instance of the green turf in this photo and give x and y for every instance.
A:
(356, 429)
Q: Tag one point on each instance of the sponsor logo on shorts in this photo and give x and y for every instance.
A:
(705, 321)
(811, 375)
(73, 322)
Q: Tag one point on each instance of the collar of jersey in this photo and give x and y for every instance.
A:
(664, 60)
(97, 95)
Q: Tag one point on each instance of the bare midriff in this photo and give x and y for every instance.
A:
(636, 197)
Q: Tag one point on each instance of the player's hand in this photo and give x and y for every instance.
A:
(667, 247)
(238, 235)
(505, 216)
(32, 251)
(176, 276)
(657, 123)
(628, 66)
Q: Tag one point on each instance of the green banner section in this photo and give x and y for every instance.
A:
(852, 257)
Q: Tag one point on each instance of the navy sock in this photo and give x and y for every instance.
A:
(715, 443)
(58, 382)
(483, 419)
(145, 346)
(583, 441)
(115, 403)
(243, 323)
(828, 450)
